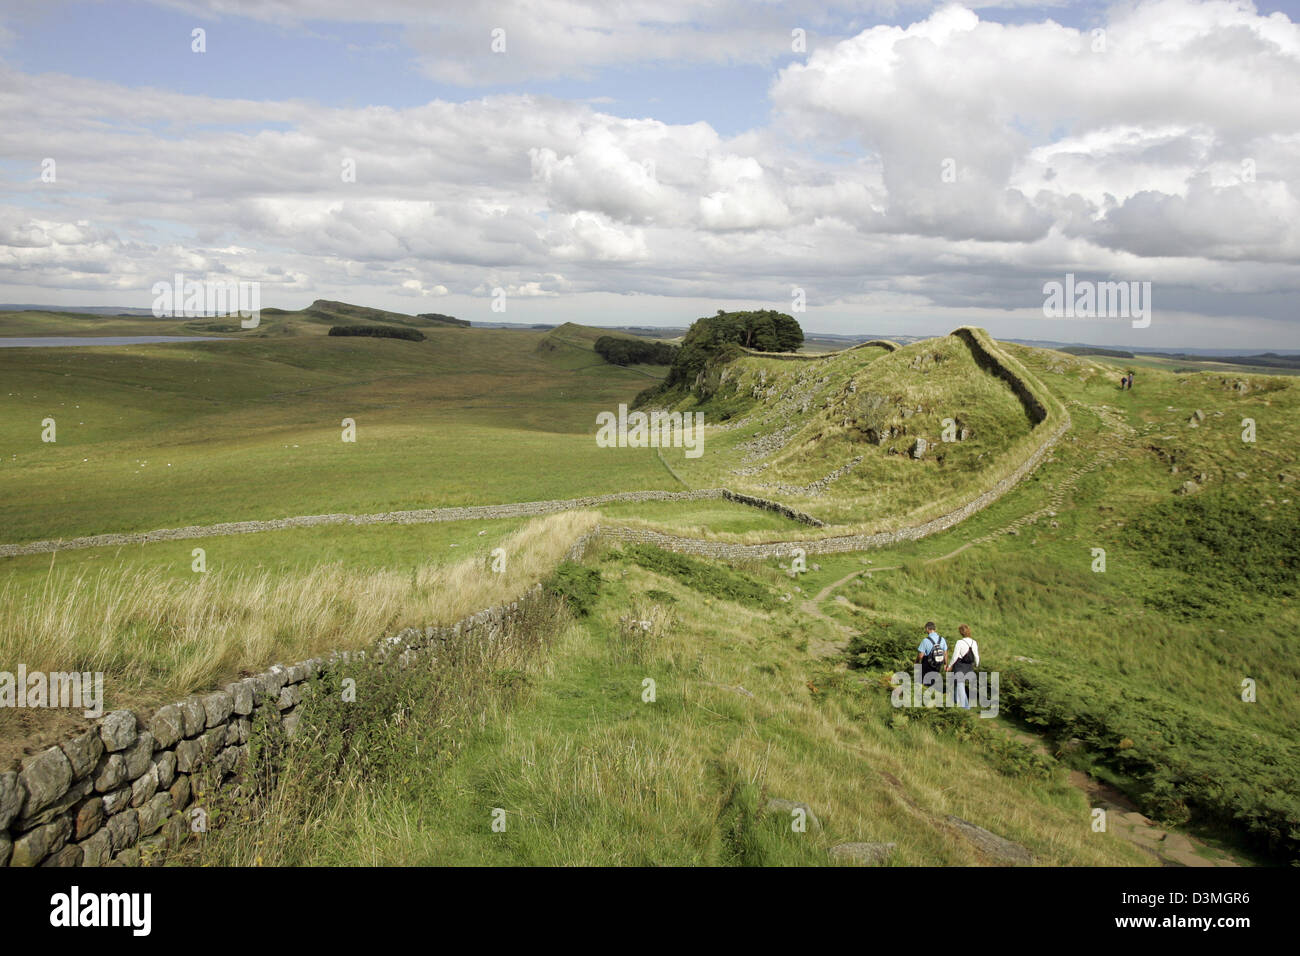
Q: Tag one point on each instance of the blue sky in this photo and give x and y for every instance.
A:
(648, 170)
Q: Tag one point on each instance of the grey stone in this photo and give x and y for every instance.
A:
(117, 801)
(992, 844)
(241, 696)
(189, 755)
(12, 796)
(128, 857)
(153, 814)
(45, 777)
(123, 829)
(96, 849)
(212, 742)
(139, 756)
(298, 673)
(83, 752)
(218, 706)
(6, 847)
(145, 787)
(195, 716)
(270, 683)
(290, 696)
(70, 855)
(167, 725)
(230, 758)
(786, 808)
(291, 722)
(35, 845)
(87, 818)
(73, 794)
(180, 791)
(117, 730)
(165, 766)
(862, 854)
(918, 448)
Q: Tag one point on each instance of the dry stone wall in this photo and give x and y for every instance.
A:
(523, 509)
(129, 786)
(818, 356)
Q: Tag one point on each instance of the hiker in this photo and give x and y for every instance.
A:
(1130, 379)
(1123, 382)
(965, 658)
(932, 652)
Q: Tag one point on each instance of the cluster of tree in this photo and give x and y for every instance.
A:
(764, 331)
(379, 332)
(621, 351)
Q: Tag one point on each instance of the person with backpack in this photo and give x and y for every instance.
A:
(932, 652)
(965, 658)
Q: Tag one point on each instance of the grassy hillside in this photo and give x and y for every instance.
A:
(163, 436)
(834, 437)
(555, 731)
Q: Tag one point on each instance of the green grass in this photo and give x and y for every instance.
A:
(164, 436)
(831, 412)
(589, 773)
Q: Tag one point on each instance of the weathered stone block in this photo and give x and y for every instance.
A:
(96, 849)
(128, 857)
(117, 730)
(145, 787)
(291, 722)
(70, 855)
(83, 752)
(189, 755)
(123, 829)
(212, 742)
(64, 803)
(165, 766)
(117, 801)
(180, 791)
(12, 796)
(139, 756)
(45, 777)
(194, 715)
(34, 846)
(290, 695)
(6, 847)
(167, 725)
(218, 706)
(153, 813)
(241, 696)
(87, 818)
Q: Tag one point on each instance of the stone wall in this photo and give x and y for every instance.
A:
(523, 509)
(885, 344)
(127, 785)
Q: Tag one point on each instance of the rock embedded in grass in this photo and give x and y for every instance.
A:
(862, 854)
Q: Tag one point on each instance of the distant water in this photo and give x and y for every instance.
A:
(65, 341)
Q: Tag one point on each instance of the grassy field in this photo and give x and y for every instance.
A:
(171, 435)
(589, 773)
